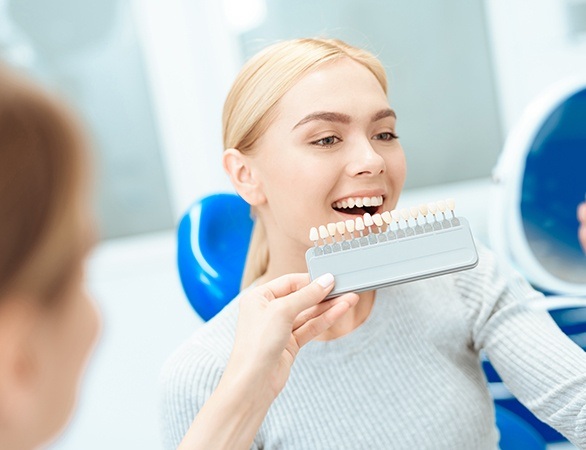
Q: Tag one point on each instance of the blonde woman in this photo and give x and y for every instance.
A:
(308, 135)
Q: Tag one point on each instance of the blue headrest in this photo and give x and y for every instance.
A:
(212, 243)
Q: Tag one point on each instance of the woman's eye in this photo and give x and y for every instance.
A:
(386, 136)
(327, 141)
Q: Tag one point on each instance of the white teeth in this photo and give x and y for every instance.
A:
(403, 219)
(359, 202)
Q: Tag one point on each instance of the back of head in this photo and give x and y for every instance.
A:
(251, 105)
(41, 186)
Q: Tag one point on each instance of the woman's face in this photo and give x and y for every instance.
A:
(333, 144)
(67, 334)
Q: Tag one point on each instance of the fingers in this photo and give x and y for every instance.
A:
(321, 323)
(284, 285)
(307, 296)
(314, 311)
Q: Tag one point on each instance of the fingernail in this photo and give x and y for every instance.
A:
(325, 280)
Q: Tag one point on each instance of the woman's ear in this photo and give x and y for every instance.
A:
(240, 169)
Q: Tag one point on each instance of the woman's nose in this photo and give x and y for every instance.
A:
(365, 160)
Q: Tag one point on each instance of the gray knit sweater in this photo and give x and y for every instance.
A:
(409, 377)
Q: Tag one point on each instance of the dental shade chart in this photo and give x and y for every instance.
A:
(374, 251)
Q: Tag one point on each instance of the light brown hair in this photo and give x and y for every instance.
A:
(43, 171)
(252, 102)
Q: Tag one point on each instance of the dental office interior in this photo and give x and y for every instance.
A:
(478, 86)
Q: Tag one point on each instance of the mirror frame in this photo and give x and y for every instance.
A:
(506, 231)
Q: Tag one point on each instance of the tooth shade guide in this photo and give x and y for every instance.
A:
(392, 260)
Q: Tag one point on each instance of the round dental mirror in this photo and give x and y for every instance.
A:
(539, 182)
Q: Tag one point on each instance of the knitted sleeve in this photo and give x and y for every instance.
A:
(539, 364)
(187, 380)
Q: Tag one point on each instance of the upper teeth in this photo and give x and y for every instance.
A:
(351, 202)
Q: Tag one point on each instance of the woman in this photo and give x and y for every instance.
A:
(308, 135)
(48, 323)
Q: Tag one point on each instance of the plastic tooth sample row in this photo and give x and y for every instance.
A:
(370, 229)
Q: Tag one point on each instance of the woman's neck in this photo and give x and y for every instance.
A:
(286, 259)
(352, 319)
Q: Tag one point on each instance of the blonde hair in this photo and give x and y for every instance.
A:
(251, 106)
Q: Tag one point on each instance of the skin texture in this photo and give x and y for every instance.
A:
(305, 162)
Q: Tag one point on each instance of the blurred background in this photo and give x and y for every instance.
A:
(150, 77)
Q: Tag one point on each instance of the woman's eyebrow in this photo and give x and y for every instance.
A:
(383, 113)
(326, 116)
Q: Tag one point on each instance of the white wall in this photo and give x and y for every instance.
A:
(533, 46)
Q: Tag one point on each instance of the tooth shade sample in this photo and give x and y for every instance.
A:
(395, 215)
(423, 209)
(313, 234)
(378, 220)
(368, 220)
(359, 224)
(386, 216)
(341, 227)
(451, 203)
(432, 207)
(349, 225)
(332, 229)
(414, 212)
(441, 205)
(405, 214)
(323, 232)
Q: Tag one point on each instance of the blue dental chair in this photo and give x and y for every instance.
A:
(213, 238)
